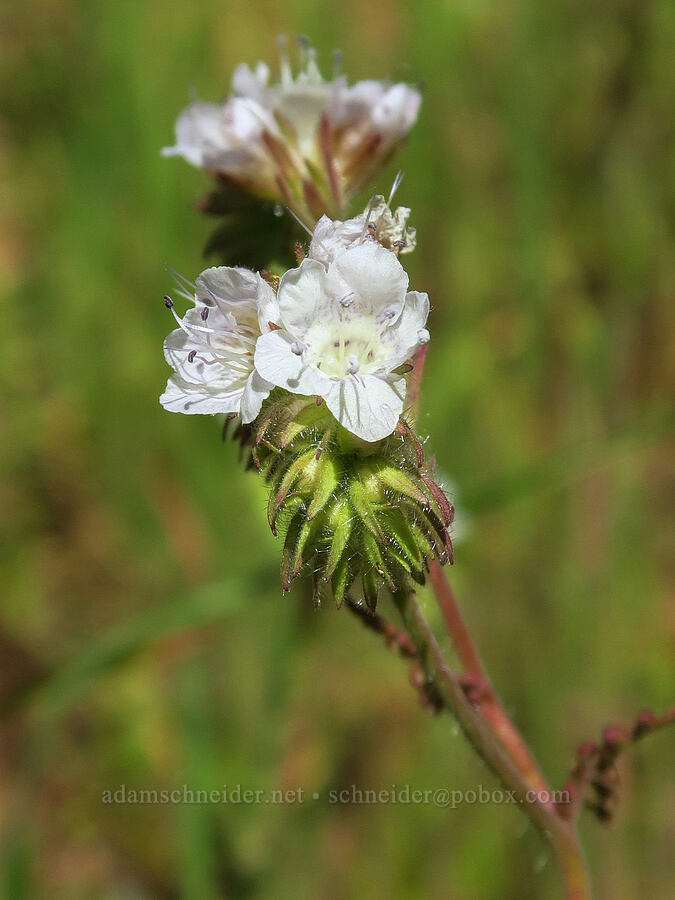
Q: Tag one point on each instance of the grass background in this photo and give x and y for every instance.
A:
(144, 639)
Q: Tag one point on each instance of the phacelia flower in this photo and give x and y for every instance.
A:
(304, 142)
(346, 329)
(212, 349)
(377, 222)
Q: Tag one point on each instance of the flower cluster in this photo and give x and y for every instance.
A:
(314, 363)
(304, 142)
(339, 327)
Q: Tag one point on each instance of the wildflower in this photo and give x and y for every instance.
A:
(346, 329)
(212, 349)
(305, 142)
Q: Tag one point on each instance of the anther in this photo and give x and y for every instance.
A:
(204, 313)
(168, 302)
(191, 356)
(353, 365)
(423, 336)
(347, 299)
(297, 348)
(337, 63)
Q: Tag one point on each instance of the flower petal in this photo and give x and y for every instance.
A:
(276, 362)
(199, 129)
(369, 406)
(403, 337)
(303, 297)
(247, 82)
(256, 390)
(396, 112)
(230, 287)
(376, 277)
(184, 397)
(331, 238)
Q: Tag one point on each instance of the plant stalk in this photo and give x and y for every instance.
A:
(559, 832)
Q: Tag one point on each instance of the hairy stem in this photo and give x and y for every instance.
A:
(480, 690)
(557, 831)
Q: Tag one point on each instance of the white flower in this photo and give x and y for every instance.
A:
(346, 328)
(212, 350)
(303, 141)
(377, 222)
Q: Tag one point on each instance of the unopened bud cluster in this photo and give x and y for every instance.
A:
(352, 516)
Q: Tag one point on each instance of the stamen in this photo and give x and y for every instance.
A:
(395, 186)
(304, 47)
(313, 72)
(300, 222)
(186, 288)
(353, 365)
(423, 336)
(369, 212)
(337, 63)
(285, 66)
(204, 314)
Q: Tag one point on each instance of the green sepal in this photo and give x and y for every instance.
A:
(295, 471)
(376, 559)
(342, 579)
(362, 504)
(403, 545)
(325, 482)
(393, 478)
(289, 549)
(306, 418)
(370, 583)
(340, 522)
(306, 539)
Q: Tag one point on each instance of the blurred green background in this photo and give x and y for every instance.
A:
(144, 638)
